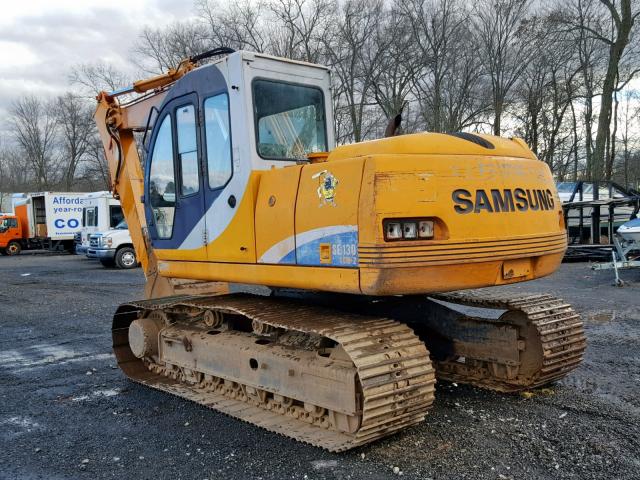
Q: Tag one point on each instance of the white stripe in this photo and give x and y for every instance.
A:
(219, 215)
(281, 249)
(318, 233)
(277, 252)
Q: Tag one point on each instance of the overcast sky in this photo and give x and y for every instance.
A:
(40, 40)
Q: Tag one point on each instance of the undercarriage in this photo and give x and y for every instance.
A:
(332, 377)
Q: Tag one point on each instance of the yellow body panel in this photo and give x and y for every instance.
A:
(237, 243)
(469, 248)
(344, 280)
(327, 208)
(275, 212)
(305, 217)
(434, 144)
(190, 255)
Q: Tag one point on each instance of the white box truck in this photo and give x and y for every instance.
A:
(47, 220)
(100, 212)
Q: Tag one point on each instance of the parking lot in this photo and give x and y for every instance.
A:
(66, 412)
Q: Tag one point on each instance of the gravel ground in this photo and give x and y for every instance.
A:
(66, 412)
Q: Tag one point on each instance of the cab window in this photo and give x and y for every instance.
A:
(290, 120)
(9, 223)
(92, 217)
(115, 215)
(187, 150)
(218, 140)
(162, 188)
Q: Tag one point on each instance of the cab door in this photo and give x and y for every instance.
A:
(9, 231)
(174, 193)
(219, 199)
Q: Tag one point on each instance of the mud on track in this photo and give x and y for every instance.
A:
(63, 402)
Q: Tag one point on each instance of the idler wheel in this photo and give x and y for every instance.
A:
(143, 334)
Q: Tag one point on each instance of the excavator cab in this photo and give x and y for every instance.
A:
(217, 125)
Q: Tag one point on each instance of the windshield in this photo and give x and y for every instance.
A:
(122, 225)
(290, 120)
(7, 223)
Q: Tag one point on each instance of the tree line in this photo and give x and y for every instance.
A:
(561, 75)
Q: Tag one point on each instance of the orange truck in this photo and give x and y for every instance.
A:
(46, 220)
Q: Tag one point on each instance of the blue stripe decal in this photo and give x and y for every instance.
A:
(343, 247)
(289, 258)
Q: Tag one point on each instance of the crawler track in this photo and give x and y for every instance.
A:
(394, 377)
(549, 328)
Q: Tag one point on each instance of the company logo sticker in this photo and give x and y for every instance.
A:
(327, 185)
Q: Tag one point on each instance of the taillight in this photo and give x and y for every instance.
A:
(393, 231)
(425, 229)
(408, 229)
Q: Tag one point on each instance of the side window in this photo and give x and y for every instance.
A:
(290, 120)
(162, 187)
(115, 215)
(95, 216)
(187, 150)
(218, 138)
(13, 222)
(91, 217)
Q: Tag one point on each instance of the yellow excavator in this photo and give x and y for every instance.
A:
(317, 290)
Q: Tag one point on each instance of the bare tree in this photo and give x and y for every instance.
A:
(239, 25)
(505, 47)
(446, 65)
(75, 120)
(588, 53)
(3, 178)
(16, 170)
(160, 49)
(5, 174)
(352, 53)
(436, 27)
(300, 28)
(448, 81)
(33, 124)
(608, 61)
(398, 65)
(622, 20)
(96, 77)
(628, 135)
(546, 92)
(95, 168)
